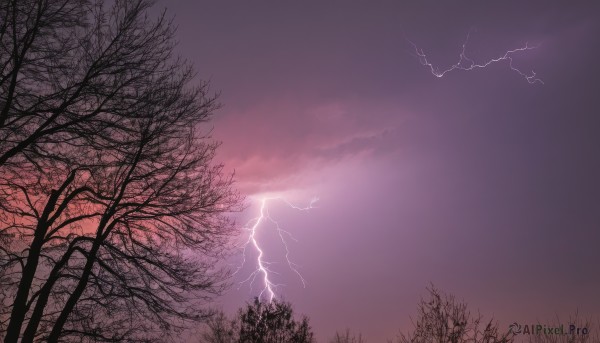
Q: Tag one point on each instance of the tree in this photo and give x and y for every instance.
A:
(259, 322)
(347, 337)
(443, 319)
(70, 72)
(112, 216)
(272, 322)
(220, 329)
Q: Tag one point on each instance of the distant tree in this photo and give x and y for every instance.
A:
(273, 322)
(443, 319)
(220, 329)
(347, 337)
(113, 217)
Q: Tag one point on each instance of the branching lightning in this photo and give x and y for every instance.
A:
(465, 63)
(263, 269)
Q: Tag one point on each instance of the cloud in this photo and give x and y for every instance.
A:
(273, 148)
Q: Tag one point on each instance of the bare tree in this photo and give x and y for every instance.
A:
(259, 322)
(347, 337)
(272, 322)
(113, 218)
(443, 319)
(71, 72)
(220, 329)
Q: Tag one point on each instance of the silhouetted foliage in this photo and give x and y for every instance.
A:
(112, 216)
(259, 322)
(443, 319)
(220, 329)
(73, 73)
(347, 337)
(272, 322)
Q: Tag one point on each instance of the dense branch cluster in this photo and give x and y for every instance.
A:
(442, 318)
(112, 214)
(259, 322)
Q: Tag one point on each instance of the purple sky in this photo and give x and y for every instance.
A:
(479, 182)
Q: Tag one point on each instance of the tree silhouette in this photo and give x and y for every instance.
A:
(220, 329)
(112, 215)
(272, 322)
(443, 319)
(259, 322)
(73, 72)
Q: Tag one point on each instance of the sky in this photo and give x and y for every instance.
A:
(478, 182)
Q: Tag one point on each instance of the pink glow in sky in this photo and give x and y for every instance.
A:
(478, 181)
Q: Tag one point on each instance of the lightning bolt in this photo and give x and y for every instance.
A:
(263, 269)
(465, 63)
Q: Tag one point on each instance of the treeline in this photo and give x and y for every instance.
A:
(441, 318)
